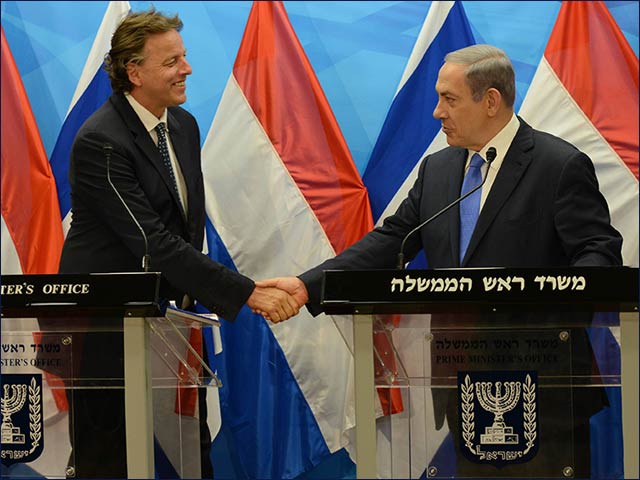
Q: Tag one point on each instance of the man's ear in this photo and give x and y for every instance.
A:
(133, 73)
(494, 101)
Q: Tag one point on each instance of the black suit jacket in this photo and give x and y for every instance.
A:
(104, 238)
(544, 209)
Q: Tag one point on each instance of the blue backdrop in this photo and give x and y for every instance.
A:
(358, 50)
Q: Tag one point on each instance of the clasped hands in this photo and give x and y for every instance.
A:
(278, 299)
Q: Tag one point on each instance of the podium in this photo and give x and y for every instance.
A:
(490, 370)
(69, 341)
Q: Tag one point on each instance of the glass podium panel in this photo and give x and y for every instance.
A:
(35, 407)
(63, 380)
(177, 382)
(493, 396)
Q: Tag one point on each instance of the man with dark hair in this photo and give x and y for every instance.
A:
(154, 150)
(540, 205)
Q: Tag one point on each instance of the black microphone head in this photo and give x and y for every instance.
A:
(491, 154)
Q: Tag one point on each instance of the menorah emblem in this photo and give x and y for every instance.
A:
(498, 404)
(479, 396)
(21, 408)
(11, 403)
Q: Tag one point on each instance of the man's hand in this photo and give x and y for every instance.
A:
(292, 285)
(274, 304)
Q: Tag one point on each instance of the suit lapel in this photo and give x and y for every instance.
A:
(455, 185)
(183, 151)
(145, 143)
(511, 171)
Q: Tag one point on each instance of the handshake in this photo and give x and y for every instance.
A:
(278, 299)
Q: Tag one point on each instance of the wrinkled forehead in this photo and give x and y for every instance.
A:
(163, 43)
(452, 79)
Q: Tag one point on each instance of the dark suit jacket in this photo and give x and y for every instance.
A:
(104, 238)
(544, 209)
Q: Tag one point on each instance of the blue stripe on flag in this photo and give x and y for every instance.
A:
(408, 131)
(410, 127)
(607, 458)
(92, 98)
(260, 399)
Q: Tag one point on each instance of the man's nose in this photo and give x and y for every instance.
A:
(186, 67)
(438, 112)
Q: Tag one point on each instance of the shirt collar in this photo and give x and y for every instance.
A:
(148, 119)
(501, 142)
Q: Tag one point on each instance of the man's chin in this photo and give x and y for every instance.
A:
(452, 142)
(179, 100)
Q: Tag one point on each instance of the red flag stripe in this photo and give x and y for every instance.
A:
(279, 83)
(29, 198)
(288, 100)
(187, 394)
(596, 64)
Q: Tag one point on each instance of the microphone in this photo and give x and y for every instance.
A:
(146, 258)
(491, 156)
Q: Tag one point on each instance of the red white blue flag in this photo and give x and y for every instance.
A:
(585, 90)
(283, 194)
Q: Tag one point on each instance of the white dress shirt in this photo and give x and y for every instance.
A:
(501, 142)
(150, 122)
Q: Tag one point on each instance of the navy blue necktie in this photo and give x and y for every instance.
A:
(164, 152)
(470, 206)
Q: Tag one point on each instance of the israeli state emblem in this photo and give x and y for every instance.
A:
(22, 418)
(498, 416)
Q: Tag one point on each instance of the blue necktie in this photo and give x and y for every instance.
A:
(164, 152)
(470, 206)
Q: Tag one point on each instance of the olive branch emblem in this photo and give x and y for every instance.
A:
(467, 413)
(529, 414)
(35, 415)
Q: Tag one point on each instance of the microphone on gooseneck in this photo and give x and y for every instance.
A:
(146, 258)
(491, 156)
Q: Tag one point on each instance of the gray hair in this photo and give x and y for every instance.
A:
(487, 67)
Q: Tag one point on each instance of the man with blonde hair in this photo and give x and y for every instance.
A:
(141, 152)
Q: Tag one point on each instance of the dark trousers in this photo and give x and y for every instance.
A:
(564, 412)
(560, 430)
(98, 436)
(97, 415)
